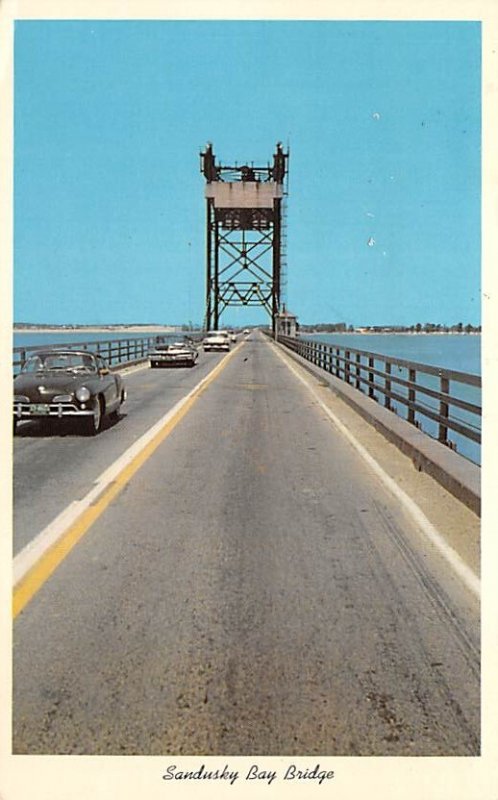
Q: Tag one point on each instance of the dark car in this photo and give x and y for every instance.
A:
(59, 384)
(173, 353)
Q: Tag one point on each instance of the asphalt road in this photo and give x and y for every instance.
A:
(55, 463)
(253, 590)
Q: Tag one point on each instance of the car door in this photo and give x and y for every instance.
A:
(109, 385)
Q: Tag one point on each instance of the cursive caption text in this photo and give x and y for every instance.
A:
(254, 773)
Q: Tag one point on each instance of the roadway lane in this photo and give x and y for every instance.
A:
(55, 464)
(253, 590)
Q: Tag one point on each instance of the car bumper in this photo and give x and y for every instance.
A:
(47, 410)
(216, 347)
(172, 362)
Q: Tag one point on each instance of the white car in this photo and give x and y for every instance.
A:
(217, 340)
(173, 354)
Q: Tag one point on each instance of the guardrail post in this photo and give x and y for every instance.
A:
(358, 371)
(412, 376)
(444, 411)
(387, 386)
(371, 365)
(329, 359)
(347, 355)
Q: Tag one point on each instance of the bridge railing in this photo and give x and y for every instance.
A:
(114, 351)
(443, 400)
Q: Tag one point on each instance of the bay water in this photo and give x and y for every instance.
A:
(458, 351)
(72, 337)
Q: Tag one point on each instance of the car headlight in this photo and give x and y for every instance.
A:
(82, 394)
(21, 398)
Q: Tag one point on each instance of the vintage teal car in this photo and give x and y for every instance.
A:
(74, 384)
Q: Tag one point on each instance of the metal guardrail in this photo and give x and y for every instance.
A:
(442, 397)
(114, 351)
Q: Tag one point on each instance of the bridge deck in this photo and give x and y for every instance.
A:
(253, 589)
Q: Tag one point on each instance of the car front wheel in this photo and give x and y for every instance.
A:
(117, 411)
(93, 423)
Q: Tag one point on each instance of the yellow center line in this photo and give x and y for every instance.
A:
(50, 560)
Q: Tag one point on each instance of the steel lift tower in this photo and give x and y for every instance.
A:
(244, 235)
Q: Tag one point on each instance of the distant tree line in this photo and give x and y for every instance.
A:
(326, 327)
(432, 327)
(419, 327)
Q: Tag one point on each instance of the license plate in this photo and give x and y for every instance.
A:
(40, 408)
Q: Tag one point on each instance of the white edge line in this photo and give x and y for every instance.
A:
(469, 577)
(33, 551)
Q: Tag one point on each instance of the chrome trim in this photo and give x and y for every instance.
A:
(23, 410)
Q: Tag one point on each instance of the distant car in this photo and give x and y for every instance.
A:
(173, 354)
(233, 336)
(59, 384)
(217, 340)
(246, 331)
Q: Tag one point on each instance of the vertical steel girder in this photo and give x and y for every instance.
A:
(209, 267)
(277, 232)
(243, 235)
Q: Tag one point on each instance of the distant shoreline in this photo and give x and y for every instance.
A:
(97, 329)
(177, 329)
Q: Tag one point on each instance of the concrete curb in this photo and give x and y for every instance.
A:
(460, 477)
(124, 366)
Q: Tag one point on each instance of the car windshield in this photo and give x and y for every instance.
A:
(63, 362)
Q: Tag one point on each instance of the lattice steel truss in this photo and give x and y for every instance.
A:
(244, 235)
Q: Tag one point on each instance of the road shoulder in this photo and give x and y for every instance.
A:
(458, 525)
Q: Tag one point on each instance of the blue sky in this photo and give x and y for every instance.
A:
(383, 124)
